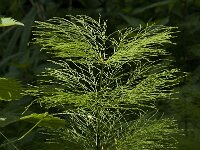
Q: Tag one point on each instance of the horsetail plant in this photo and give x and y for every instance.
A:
(104, 88)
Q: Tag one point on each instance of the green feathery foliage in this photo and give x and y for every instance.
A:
(105, 87)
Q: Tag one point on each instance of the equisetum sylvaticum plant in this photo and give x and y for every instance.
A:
(102, 90)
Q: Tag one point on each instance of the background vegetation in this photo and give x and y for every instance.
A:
(21, 60)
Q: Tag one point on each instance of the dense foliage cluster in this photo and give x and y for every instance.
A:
(23, 61)
(102, 87)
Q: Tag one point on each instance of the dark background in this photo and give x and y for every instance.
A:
(21, 60)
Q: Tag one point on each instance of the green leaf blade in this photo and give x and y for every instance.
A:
(9, 22)
(47, 120)
(10, 89)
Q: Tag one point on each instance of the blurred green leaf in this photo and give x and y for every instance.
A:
(9, 22)
(197, 3)
(163, 21)
(10, 89)
(47, 120)
(11, 112)
(26, 33)
(192, 23)
(195, 50)
(8, 118)
(90, 3)
(11, 44)
(154, 5)
(133, 21)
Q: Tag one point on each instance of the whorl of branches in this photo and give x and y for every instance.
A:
(104, 86)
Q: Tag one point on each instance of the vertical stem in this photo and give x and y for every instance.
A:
(185, 117)
(186, 126)
(98, 137)
(98, 130)
(101, 76)
(98, 142)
